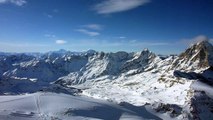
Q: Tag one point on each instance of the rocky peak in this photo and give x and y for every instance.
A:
(145, 54)
(202, 52)
(91, 51)
(140, 60)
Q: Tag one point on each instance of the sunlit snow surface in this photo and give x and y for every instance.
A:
(52, 106)
(137, 90)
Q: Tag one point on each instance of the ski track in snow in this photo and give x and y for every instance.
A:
(37, 102)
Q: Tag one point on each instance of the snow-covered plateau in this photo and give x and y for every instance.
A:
(62, 85)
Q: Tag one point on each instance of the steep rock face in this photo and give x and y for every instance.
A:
(200, 106)
(112, 64)
(69, 63)
(198, 56)
(98, 65)
(140, 60)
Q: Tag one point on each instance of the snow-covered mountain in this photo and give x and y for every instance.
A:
(199, 55)
(174, 87)
(111, 64)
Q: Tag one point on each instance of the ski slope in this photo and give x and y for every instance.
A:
(53, 106)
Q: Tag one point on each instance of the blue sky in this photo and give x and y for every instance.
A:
(163, 26)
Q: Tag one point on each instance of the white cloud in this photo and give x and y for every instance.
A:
(119, 43)
(211, 40)
(3, 1)
(22, 44)
(24, 47)
(87, 32)
(15, 2)
(94, 26)
(195, 40)
(132, 41)
(49, 16)
(122, 37)
(60, 42)
(113, 6)
(50, 35)
(153, 43)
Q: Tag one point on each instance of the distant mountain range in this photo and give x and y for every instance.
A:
(177, 85)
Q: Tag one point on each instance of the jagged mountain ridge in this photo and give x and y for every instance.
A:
(137, 78)
(91, 64)
(46, 67)
(111, 64)
(195, 59)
